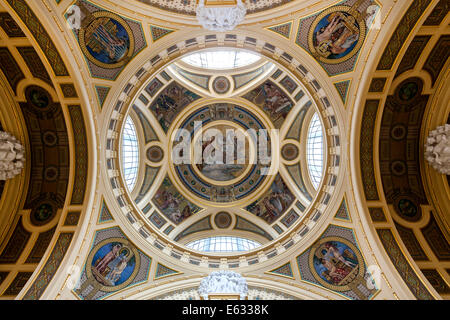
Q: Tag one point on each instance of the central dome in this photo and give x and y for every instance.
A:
(221, 153)
(233, 157)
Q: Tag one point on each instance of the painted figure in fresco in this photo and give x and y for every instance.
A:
(273, 204)
(336, 35)
(170, 102)
(273, 100)
(221, 170)
(117, 270)
(110, 256)
(276, 103)
(173, 205)
(334, 262)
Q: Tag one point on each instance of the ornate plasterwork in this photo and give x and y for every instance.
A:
(302, 99)
(188, 7)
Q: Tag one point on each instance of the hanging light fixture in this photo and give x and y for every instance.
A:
(437, 149)
(223, 285)
(220, 18)
(12, 156)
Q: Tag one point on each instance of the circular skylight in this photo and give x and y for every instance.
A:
(130, 154)
(315, 150)
(223, 244)
(221, 60)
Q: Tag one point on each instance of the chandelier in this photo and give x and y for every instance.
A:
(437, 149)
(12, 156)
(223, 18)
(224, 284)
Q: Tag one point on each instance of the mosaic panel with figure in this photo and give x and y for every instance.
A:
(170, 102)
(273, 100)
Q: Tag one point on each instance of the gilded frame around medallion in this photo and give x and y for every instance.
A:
(362, 33)
(133, 275)
(81, 37)
(359, 257)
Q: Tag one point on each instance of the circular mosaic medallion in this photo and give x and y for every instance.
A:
(336, 35)
(215, 156)
(221, 85)
(407, 91)
(113, 263)
(335, 262)
(289, 152)
(107, 41)
(408, 208)
(43, 213)
(155, 154)
(222, 220)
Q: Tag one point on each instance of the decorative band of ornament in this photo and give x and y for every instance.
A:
(220, 18)
(402, 265)
(437, 149)
(12, 156)
(366, 149)
(50, 268)
(81, 154)
(405, 27)
(41, 36)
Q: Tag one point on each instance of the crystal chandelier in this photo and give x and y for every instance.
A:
(223, 284)
(12, 156)
(437, 149)
(220, 18)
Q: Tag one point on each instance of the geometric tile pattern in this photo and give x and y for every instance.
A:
(105, 215)
(285, 271)
(102, 93)
(282, 29)
(159, 32)
(401, 264)
(404, 28)
(41, 36)
(342, 212)
(51, 266)
(342, 89)
(163, 271)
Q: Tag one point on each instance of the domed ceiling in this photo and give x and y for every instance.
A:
(177, 151)
(211, 144)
